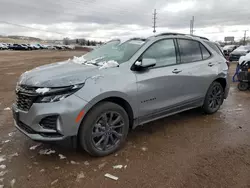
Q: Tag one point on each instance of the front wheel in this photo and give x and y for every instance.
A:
(243, 86)
(104, 129)
(214, 98)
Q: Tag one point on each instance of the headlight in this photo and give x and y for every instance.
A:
(58, 94)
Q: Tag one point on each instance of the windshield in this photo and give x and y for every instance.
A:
(115, 50)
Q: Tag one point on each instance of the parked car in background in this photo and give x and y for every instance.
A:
(3, 46)
(50, 47)
(28, 46)
(238, 52)
(18, 47)
(228, 49)
(35, 47)
(87, 97)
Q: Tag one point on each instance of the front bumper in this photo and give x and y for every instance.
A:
(66, 110)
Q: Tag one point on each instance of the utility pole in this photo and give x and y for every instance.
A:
(154, 20)
(245, 35)
(192, 26)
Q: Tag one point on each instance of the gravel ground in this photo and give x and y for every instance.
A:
(186, 150)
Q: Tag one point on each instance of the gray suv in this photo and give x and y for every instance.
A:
(98, 97)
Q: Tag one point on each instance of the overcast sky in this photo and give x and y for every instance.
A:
(106, 19)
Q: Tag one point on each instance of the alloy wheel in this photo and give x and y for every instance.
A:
(107, 131)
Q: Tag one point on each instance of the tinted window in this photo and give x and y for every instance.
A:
(215, 47)
(189, 50)
(163, 52)
(205, 53)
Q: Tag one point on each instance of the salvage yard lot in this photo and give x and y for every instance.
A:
(186, 150)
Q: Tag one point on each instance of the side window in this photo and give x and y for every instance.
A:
(205, 53)
(189, 50)
(163, 52)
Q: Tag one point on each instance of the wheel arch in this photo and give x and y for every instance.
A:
(119, 99)
(222, 81)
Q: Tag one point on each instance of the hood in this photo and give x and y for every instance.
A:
(58, 74)
(239, 52)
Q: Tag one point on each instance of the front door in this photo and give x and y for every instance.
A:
(159, 87)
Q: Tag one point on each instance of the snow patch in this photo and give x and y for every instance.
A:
(109, 64)
(42, 90)
(74, 163)
(144, 149)
(6, 109)
(54, 182)
(13, 155)
(2, 167)
(86, 163)
(2, 158)
(42, 170)
(101, 165)
(11, 134)
(125, 166)
(80, 176)
(34, 147)
(62, 156)
(2, 173)
(6, 141)
(79, 60)
(12, 182)
(111, 177)
(46, 152)
(117, 167)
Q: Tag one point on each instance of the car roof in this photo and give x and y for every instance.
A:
(179, 35)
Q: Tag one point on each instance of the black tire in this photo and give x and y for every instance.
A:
(94, 124)
(243, 86)
(214, 98)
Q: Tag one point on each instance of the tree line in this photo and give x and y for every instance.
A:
(82, 42)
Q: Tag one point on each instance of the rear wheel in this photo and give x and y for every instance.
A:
(214, 98)
(243, 86)
(104, 129)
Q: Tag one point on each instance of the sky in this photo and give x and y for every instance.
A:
(107, 19)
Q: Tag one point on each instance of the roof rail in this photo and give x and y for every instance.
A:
(162, 34)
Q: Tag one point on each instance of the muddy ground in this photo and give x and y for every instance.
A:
(185, 150)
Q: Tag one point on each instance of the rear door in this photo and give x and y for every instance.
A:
(197, 70)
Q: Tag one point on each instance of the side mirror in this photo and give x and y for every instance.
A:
(145, 63)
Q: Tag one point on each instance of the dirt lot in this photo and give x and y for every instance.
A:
(185, 150)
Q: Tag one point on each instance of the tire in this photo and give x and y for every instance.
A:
(243, 86)
(214, 98)
(94, 132)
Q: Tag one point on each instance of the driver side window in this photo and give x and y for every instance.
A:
(163, 52)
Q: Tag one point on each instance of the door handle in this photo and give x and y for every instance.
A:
(211, 64)
(176, 71)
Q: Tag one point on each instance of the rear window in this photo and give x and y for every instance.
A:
(215, 47)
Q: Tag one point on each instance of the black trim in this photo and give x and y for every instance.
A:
(170, 110)
(207, 51)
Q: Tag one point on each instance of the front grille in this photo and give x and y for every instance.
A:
(49, 122)
(26, 96)
(24, 102)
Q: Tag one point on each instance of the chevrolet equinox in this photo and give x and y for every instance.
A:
(98, 97)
